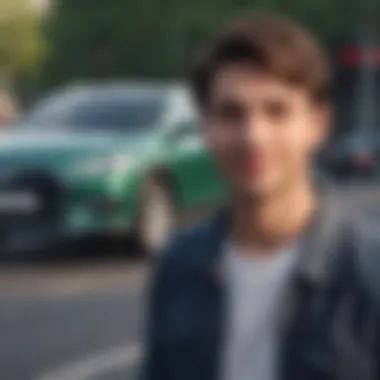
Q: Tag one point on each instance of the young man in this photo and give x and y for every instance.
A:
(281, 285)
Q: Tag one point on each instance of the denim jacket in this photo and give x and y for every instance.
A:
(329, 322)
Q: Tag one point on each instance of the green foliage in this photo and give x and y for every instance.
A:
(21, 44)
(124, 38)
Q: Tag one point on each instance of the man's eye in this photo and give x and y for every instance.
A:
(231, 112)
(277, 110)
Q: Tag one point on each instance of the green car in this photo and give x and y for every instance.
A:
(103, 159)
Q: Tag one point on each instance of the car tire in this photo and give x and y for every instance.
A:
(157, 219)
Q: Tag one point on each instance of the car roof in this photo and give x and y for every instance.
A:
(120, 87)
(111, 90)
(72, 94)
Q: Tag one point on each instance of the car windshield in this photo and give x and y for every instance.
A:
(116, 111)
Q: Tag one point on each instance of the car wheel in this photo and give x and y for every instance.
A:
(157, 219)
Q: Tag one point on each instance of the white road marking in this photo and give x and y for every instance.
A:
(97, 364)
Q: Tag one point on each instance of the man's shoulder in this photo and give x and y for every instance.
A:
(365, 237)
(191, 243)
(364, 234)
(184, 258)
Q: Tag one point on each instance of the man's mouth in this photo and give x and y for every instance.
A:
(253, 164)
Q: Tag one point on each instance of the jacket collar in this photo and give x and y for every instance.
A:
(318, 242)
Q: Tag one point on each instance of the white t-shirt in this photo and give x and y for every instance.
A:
(255, 288)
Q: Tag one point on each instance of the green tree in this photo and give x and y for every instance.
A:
(21, 44)
(123, 38)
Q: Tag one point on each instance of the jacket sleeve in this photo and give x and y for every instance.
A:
(155, 360)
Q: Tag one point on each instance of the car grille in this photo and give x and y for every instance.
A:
(42, 185)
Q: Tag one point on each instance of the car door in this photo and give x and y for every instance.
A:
(196, 177)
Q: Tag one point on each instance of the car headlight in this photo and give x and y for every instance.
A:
(102, 165)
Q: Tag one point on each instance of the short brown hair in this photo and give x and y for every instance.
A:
(272, 43)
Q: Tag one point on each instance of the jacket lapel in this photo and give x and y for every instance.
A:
(320, 246)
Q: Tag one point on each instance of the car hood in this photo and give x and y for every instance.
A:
(51, 149)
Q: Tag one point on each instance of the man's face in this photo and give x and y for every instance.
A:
(260, 130)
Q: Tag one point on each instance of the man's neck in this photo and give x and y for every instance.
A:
(262, 225)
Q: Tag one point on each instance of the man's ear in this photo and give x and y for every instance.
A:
(323, 123)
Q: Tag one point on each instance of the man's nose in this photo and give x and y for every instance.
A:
(255, 129)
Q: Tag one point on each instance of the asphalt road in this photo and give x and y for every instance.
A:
(82, 321)
(71, 323)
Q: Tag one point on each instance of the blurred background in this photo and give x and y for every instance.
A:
(100, 161)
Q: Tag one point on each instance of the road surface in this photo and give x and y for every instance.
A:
(53, 319)
(82, 321)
